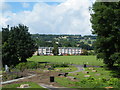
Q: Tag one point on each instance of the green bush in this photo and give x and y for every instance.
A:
(104, 80)
(31, 65)
(91, 79)
(27, 65)
(113, 81)
(21, 66)
(59, 65)
(83, 81)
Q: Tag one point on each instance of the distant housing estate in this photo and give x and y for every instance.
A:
(62, 50)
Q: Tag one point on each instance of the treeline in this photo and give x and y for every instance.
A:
(48, 40)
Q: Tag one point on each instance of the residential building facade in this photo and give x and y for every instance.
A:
(62, 51)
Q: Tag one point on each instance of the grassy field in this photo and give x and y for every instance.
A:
(91, 60)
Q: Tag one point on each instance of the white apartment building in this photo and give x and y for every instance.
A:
(62, 50)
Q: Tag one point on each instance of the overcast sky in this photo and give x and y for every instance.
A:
(45, 17)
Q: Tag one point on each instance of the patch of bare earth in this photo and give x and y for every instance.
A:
(41, 77)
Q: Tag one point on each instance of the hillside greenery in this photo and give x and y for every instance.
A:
(48, 40)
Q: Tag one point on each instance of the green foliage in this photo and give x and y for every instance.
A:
(17, 45)
(55, 50)
(47, 40)
(104, 80)
(21, 66)
(27, 65)
(105, 24)
(91, 52)
(94, 81)
(113, 81)
(84, 52)
(86, 46)
(59, 65)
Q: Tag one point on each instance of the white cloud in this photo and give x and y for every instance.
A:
(70, 17)
(25, 5)
(4, 6)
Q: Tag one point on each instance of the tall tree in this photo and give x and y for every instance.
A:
(19, 46)
(55, 50)
(9, 56)
(105, 23)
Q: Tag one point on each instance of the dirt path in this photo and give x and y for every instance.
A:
(50, 87)
(79, 67)
(10, 81)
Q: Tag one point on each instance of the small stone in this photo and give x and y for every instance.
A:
(86, 72)
(45, 70)
(24, 86)
(72, 78)
(75, 74)
(98, 74)
(87, 76)
(94, 70)
(91, 68)
(57, 70)
(67, 68)
(108, 87)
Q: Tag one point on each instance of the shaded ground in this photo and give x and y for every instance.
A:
(41, 77)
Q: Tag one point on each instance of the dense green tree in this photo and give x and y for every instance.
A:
(9, 56)
(86, 46)
(55, 50)
(5, 34)
(106, 25)
(84, 52)
(18, 46)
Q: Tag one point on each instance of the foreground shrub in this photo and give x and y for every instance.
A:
(113, 81)
(21, 66)
(27, 65)
(59, 65)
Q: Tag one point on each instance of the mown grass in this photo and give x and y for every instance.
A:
(0, 72)
(66, 69)
(91, 60)
(32, 85)
(101, 71)
(104, 79)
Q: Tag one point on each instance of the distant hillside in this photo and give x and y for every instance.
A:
(48, 40)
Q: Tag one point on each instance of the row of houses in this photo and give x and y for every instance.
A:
(62, 50)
